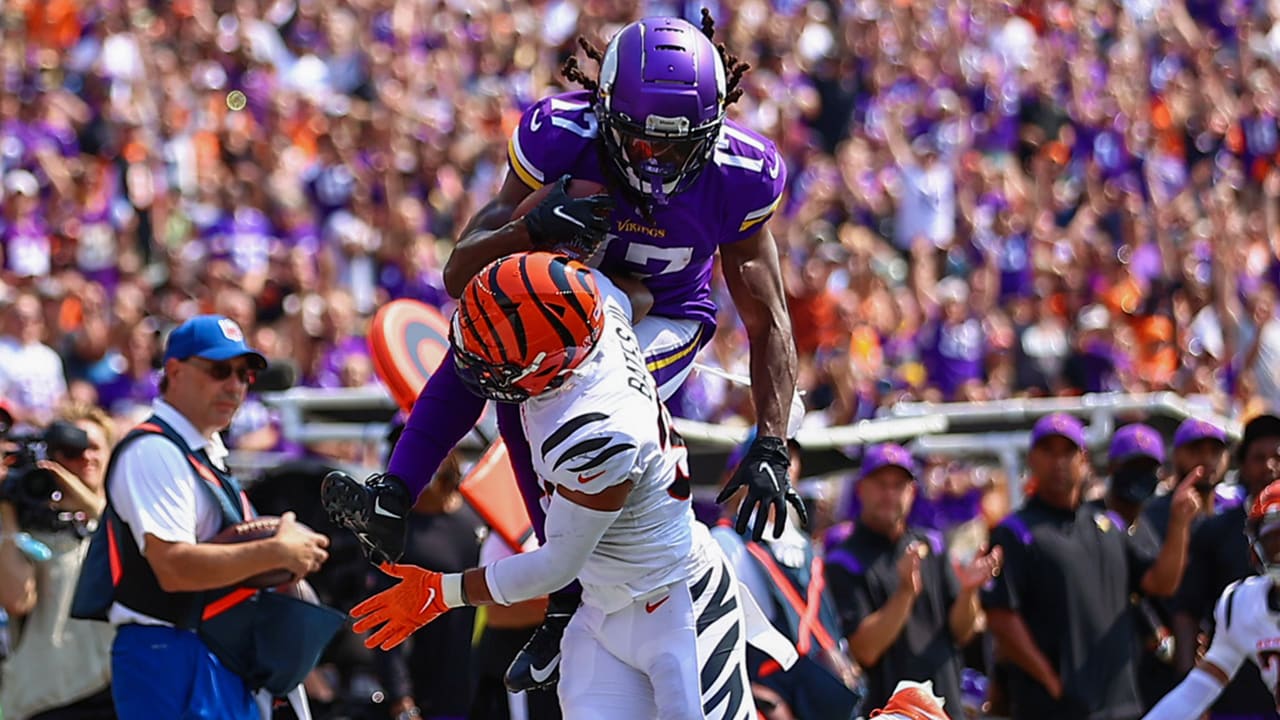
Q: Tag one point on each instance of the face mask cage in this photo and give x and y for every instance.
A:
(662, 157)
(1264, 541)
(509, 382)
(492, 382)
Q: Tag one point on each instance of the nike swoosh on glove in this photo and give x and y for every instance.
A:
(763, 472)
(575, 226)
(410, 604)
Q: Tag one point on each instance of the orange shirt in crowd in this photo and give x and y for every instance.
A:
(52, 23)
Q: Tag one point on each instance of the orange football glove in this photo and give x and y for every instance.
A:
(415, 601)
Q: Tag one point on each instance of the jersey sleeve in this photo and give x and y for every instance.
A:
(585, 455)
(756, 175)
(550, 135)
(1225, 650)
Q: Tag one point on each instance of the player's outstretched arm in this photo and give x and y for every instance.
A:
(575, 523)
(751, 270)
(1197, 691)
(1193, 696)
(753, 275)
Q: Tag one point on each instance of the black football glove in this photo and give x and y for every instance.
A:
(575, 226)
(764, 473)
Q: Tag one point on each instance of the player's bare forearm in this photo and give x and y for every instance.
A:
(489, 235)
(753, 275)
(475, 588)
(639, 295)
(773, 378)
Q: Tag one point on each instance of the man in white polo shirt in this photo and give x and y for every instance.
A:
(170, 491)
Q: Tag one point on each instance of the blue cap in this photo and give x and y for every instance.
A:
(213, 337)
(1059, 424)
(1194, 429)
(887, 455)
(1136, 441)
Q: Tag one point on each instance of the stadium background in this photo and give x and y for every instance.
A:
(1082, 194)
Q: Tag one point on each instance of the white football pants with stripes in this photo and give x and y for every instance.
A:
(679, 654)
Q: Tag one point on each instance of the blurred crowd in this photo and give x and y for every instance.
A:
(988, 198)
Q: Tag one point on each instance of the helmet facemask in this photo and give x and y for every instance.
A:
(1264, 543)
(661, 158)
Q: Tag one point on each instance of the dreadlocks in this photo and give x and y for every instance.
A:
(733, 67)
(573, 72)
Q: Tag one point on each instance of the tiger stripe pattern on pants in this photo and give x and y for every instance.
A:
(679, 654)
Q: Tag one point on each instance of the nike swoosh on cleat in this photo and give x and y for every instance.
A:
(430, 597)
(649, 607)
(559, 212)
(584, 479)
(379, 510)
(540, 675)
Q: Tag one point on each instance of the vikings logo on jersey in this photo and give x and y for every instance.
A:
(673, 245)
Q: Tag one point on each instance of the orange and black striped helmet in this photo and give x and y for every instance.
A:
(523, 323)
(1261, 528)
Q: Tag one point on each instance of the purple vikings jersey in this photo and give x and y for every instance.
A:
(729, 201)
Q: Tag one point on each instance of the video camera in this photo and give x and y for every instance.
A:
(30, 488)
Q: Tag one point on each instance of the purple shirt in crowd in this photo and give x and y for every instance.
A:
(953, 353)
(328, 372)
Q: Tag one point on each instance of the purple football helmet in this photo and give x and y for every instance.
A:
(660, 104)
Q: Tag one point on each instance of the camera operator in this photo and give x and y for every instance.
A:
(60, 668)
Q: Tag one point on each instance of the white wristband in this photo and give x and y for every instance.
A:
(451, 589)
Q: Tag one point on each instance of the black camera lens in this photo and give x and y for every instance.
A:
(65, 439)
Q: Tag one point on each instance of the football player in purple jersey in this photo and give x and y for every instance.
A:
(683, 183)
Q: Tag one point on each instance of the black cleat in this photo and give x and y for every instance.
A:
(375, 511)
(537, 665)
